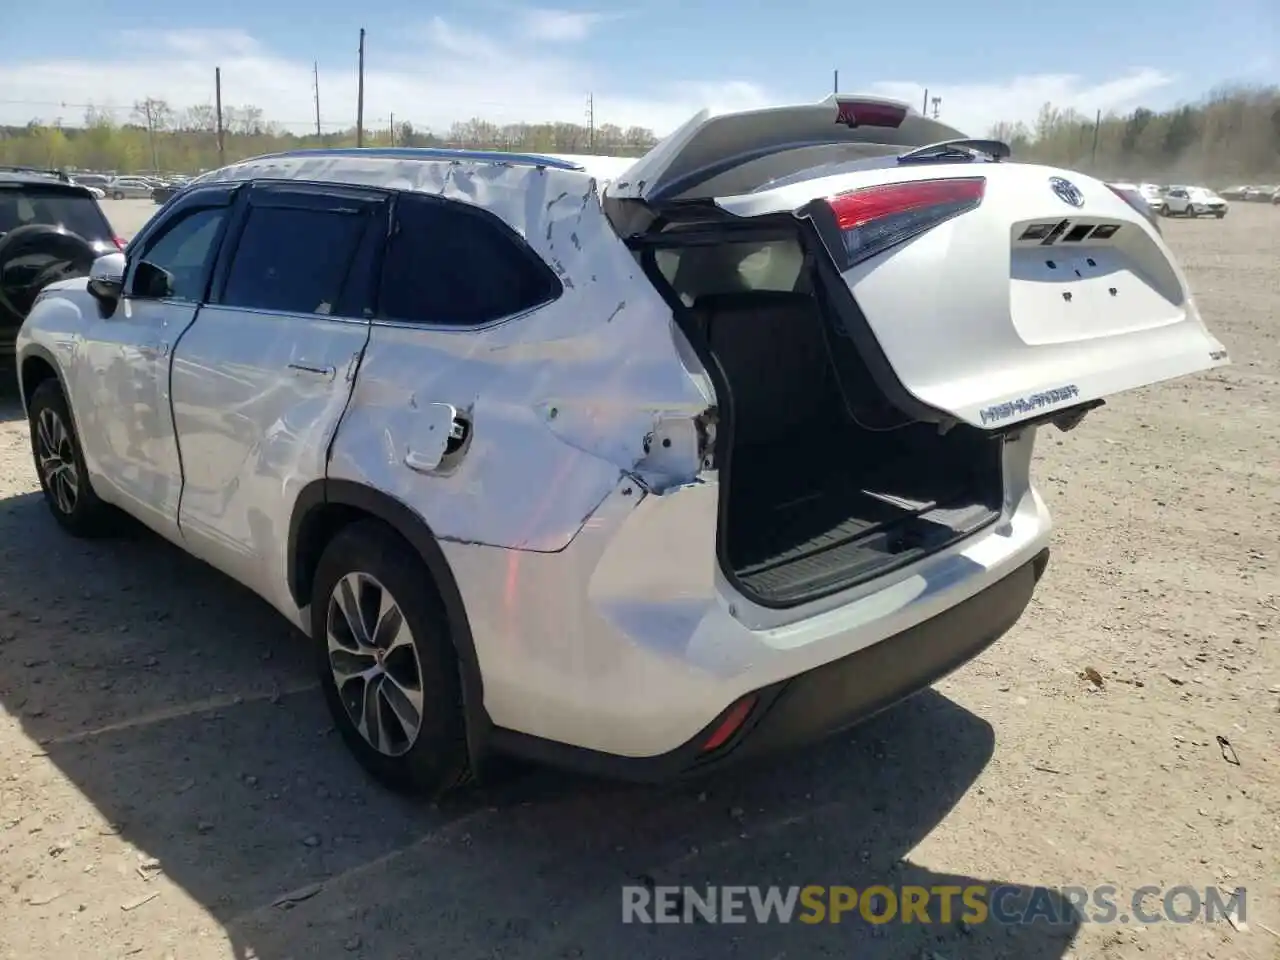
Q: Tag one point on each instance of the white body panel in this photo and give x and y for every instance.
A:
(257, 397)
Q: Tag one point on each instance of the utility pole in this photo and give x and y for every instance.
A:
(937, 102)
(1097, 122)
(217, 99)
(591, 121)
(360, 96)
(393, 129)
(835, 81)
(924, 108)
(315, 72)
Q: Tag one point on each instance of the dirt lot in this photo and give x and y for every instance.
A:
(170, 780)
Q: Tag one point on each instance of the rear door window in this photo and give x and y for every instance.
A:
(450, 264)
(296, 259)
(77, 212)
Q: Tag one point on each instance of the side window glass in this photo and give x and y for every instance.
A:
(293, 259)
(449, 265)
(173, 267)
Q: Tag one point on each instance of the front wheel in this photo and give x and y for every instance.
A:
(1164, 210)
(64, 480)
(117, 195)
(386, 661)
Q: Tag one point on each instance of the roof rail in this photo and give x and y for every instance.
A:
(426, 153)
(42, 171)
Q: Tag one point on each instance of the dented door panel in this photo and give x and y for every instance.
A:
(551, 408)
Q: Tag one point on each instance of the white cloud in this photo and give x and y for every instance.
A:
(975, 107)
(440, 72)
(560, 25)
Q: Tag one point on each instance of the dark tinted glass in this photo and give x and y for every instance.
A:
(293, 259)
(181, 255)
(447, 264)
(79, 213)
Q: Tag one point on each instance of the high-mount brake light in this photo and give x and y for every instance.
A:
(873, 219)
(869, 113)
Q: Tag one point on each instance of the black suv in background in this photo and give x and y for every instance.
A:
(50, 229)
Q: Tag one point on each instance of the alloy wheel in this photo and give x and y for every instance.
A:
(375, 663)
(57, 461)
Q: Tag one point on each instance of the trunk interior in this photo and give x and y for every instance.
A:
(826, 484)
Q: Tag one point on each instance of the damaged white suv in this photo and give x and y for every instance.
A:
(726, 454)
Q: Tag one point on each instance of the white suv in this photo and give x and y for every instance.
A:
(726, 455)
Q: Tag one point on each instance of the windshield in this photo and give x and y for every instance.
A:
(75, 211)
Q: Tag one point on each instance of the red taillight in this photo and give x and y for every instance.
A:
(874, 219)
(730, 724)
(869, 113)
(120, 242)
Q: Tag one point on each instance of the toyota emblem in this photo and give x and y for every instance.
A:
(1067, 191)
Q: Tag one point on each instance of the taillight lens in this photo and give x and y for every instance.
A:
(120, 243)
(873, 219)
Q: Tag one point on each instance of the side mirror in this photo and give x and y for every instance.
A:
(106, 280)
(152, 282)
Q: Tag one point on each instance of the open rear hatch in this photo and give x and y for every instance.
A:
(879, 323)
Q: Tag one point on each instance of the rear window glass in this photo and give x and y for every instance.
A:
(449, 265)
(698, 271)
(78, 213)
(293, 260)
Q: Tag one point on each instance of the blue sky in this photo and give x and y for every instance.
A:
(647, 62)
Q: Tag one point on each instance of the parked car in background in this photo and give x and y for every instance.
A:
(1275, 197)
(1192, 202)
(1259, 194)
(50, 229)
(772, 482)
(1153, 193)
(1131, 193)
(1234, 193)
(95, 181)
(130, 188)
(163, 192)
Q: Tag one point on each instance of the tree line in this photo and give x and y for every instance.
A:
(1232, 134)
(159, 137)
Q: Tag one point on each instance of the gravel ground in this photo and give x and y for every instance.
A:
(170, 785)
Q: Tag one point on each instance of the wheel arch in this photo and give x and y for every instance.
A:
(36, 365)
(323, 508)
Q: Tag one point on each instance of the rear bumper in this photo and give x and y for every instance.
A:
(822, 701)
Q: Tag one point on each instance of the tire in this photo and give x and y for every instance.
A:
(117, 195)
(60, 466)
(370, 563)
(1220, 214)
(1164, 210)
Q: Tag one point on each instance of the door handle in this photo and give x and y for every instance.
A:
(314, 369)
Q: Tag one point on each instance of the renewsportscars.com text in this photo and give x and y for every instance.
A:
(975, 904)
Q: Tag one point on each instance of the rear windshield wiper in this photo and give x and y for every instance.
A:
(992, 151)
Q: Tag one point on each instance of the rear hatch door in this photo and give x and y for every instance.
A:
(1039, 291)
(1012, 291)
(713, 152)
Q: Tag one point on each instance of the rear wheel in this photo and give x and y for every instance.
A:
(60, 465)
(386, 661)
(1164, 210)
